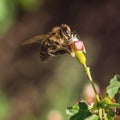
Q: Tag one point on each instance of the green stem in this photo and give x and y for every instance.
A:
(105, 117)
(87, 70)
(100, 112)
(82, 59)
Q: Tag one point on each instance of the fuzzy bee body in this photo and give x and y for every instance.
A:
(52, 43)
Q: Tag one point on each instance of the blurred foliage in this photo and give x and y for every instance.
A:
(7, 15)
(4, 106)
(30, 5)
(9, 10)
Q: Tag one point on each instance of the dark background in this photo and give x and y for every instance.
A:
(42, 90)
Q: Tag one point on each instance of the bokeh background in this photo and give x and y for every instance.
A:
(35, 90)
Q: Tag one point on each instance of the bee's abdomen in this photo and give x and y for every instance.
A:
(44, 55)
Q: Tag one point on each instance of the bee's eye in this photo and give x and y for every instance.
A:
(67, 33)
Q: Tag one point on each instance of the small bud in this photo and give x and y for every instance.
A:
(81, 57)
(78, 48)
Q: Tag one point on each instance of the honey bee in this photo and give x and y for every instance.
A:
(52, 43)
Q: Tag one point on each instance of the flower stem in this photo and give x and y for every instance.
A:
(82, 59)
(88, 73)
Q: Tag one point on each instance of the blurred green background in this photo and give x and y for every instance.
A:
(35, 90)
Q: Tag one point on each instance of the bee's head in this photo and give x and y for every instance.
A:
(74, 37)
(66, 31)
(68, 34)
(65, 28)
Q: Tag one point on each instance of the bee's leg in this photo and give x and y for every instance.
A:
(51, 52)
(61, 50)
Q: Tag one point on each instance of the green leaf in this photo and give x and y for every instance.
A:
(117, 97)
(109, 112)
(83, 112)
(93, 117)
(114, 86)
(112, 105)
(72, 110)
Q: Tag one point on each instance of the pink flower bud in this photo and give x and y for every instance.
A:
(76, 46)
(79, 45)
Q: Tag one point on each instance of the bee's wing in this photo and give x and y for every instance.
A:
(36, 39)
